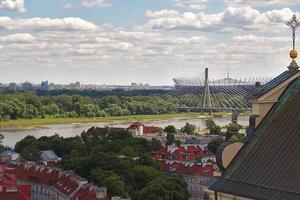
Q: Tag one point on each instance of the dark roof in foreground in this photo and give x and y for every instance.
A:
(268, 167)
(272, 84)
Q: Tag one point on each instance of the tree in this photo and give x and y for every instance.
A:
(31, 153)
(51, 109)
(170, 138)
(2, 148)
(144, 174)
(170, 129)
(146, 160)
(165, 189)
(1, 138)
(178, 143)
(78, 108)
(155, 144)
(128, 151)
(115, 186)
(189, 129)
(214, 145)
(214, 129)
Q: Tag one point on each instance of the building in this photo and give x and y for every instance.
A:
(266, 166)
(8, 156)
(49, 158)
(12, 87)
(139, 129)
(191, 162)
(185, 154)
(201, 141)
(44, 85)
(9, 188)
(54, 184)
(74, 86)
(27, 86)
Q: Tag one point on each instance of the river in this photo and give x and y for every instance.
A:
(12, 136)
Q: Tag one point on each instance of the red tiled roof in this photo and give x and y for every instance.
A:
(11, 190)
(87, 192)
(136, 125)
(11, 196)
(181, 168)
(178, 154)
(65, 182)
(66, 185)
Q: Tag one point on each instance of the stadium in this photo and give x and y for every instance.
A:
(215, 95)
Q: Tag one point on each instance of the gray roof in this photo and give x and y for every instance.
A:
(272, 84)
(267, 167)
(48, 155)
(210, 181)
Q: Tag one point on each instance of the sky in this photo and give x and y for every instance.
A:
(143, 41)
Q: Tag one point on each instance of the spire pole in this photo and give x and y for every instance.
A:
(294, 24)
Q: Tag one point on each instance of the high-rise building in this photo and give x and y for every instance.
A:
(45, 85)
(27, 86)
(12, 87)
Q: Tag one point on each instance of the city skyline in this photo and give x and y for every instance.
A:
(116, 43)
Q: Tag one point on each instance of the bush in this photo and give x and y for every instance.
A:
(189, 129)
(214, 129)
(170, 129)
(101, 113)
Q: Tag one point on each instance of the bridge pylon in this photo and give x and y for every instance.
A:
(206, 103)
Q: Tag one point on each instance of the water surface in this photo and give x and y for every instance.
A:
(70, 130)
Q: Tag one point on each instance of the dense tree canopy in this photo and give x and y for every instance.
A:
(29, 105)
(113, 159)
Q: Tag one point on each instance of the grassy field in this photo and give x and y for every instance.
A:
(30, 123)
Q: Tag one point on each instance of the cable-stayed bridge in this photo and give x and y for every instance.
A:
(203, 94)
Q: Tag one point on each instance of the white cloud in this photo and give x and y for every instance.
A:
(262, 3)
(18, 38)
(13, 5)
(88, 4)
(162, 13)
(232, 19)
(70, 49)
(46, 24)
(191, 4)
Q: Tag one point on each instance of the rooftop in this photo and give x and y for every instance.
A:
(268, 166)
(272, 84)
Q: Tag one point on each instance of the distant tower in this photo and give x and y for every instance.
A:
(206, 106)
(294, 25)
(228, 76)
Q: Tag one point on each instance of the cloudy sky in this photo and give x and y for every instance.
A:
(144, 41)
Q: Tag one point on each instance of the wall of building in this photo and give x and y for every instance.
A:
(195, 186)
(223, 196)
(262, 107)
(41, 191)
(263, 104)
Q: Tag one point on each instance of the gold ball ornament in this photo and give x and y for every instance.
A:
(293, 54)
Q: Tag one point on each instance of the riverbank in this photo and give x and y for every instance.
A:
(32, 123)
